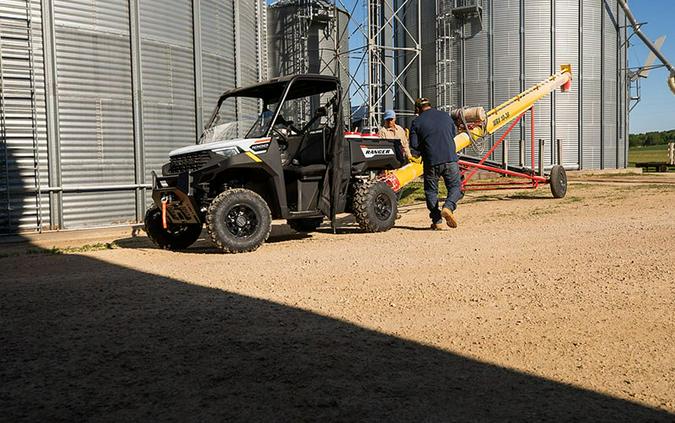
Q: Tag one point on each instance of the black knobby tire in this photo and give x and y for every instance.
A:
(558, 181)
(305, 225)
(238, 221)
(375, 206)
(175, 237)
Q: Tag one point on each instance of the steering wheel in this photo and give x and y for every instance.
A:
(281, 139)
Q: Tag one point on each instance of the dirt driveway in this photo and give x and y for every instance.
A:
(534, 309)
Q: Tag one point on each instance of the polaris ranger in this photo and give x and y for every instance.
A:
(265, 165)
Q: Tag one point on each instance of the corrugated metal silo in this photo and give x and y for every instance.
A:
(117, 85)
(309, 37)
(498, 48)
(23, 147)
(93, 75)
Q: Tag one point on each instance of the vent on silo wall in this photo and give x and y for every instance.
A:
(484, 59)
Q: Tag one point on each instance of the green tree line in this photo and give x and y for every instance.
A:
(652, 138)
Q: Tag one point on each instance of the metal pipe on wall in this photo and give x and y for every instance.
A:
(197, 58)
(52, 108)
(137, 104)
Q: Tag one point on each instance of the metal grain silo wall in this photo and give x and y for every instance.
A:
(23, 168)
(506, 22)
(42, 203)
(476, 60)
(249, 46)
(590, 77)
(95, 111)
(218, 59)
(538, 66)
(566, 35)
(457, 71)
(168, 78)
(128, 86)
(429, 54)
(609, 84)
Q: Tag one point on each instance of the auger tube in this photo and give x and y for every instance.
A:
(495, 119)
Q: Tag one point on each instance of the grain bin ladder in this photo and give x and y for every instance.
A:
(511, 112)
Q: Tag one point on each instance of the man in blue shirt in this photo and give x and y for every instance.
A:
(432, 136)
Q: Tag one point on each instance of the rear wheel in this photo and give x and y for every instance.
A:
(375, 206)
(305, 225)
(558, 181)
(174, 237)
(238, 221)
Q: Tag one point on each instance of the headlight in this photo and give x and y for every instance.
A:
(227, 152)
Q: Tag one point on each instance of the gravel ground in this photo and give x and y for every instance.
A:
(534, 309)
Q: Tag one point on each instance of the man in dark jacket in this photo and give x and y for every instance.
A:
(432, 136)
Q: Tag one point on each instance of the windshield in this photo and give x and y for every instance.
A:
(237, 117)
(247, 117)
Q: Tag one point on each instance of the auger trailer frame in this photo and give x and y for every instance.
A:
(529, 177)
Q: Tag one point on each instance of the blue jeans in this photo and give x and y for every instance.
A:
(450, 174)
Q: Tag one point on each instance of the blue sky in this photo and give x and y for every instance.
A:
(656, 111)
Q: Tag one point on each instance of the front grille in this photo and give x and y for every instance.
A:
(189, 162)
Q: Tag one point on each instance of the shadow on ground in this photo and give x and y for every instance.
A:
(83, 339)
(280, 233)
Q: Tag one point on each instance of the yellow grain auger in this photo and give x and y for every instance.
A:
(475, 124)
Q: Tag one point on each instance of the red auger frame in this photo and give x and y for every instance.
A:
(529, 179)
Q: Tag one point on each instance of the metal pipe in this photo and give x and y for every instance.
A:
(559, 151)
(137, 102)
(580, 78)
(637, 28)
(197, 58)
(602, 87)
(89, 188)
(52, 107)
(553, 70)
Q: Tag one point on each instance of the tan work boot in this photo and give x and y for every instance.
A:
(449, 217)
(438, 227)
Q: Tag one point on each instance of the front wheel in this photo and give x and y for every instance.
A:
(558, 181)
(238, 221)
(375, 206)
(175, 236)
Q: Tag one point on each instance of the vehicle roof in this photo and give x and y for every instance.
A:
(270, 91)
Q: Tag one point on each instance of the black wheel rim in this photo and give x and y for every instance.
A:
(241, 220)
(563, 180)
(383, 207)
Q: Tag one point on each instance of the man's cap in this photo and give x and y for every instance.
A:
(421, 102)
(389, 114)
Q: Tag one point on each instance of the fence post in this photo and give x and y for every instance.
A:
(559, 151)
(505, 153)
(542, 145)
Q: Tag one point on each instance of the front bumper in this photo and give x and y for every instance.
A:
(175, 191)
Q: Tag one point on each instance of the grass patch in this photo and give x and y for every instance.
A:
(652, 153)
(414, 193)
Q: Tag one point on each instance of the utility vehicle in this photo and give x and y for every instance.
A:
(284, 156)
